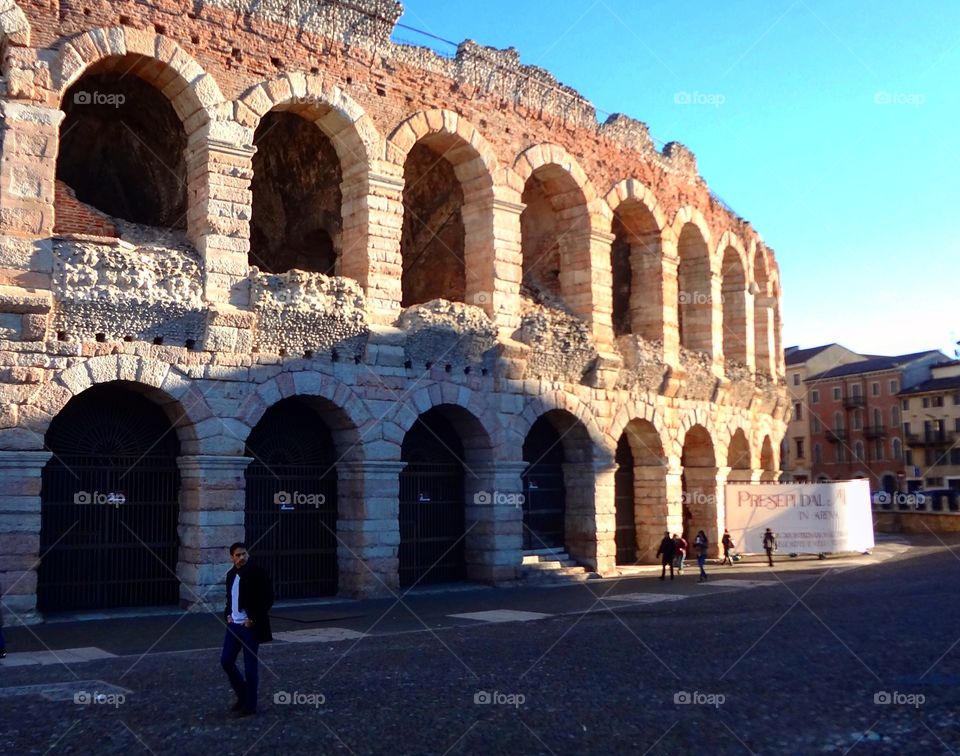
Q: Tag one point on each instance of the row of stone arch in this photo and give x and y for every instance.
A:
(725, 291)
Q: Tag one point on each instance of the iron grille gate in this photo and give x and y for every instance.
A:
(544, 506)
(100, 551)
(291, 526)
(432, 523)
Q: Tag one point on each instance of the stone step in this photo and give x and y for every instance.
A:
(547, 556)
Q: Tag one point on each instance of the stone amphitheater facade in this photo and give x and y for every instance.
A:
(278, 237)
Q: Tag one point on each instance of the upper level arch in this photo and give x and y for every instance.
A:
(696, 298)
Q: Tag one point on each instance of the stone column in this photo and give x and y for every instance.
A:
(218, 217)
(212, 503)
(20, 480)
(494, 509)
(651, 510)
(591, 520)
(673, 487)
(494, 270)
(375, 263)
(671, 314)
(763, 341)
(647, 292)
(368, 528)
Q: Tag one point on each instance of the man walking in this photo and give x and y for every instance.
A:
(249, 598)
(728, 545)
(769, 545)
(665, 552)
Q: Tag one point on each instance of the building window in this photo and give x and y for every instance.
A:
(797, 411)
(836, 393)
(955, 456)
(897, 449)
(936, 401)
(908, 457)
(956, 398)
(838, 452)
(858, 451)
(799, 442)
(894, 386)
(894, 417)
(926, 402)
(878, 449)
(956, 424)
(817, 454)
(857, 420)
(837, 421)
(934, 482)
(855, 389)
(815, 423)
(906, 404)
(875, 389)
(814, 397)
(796, 379)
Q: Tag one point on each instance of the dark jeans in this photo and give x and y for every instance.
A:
(3, 641)
(701, 561)
(667, 561)
(769, 556)
(242, 638)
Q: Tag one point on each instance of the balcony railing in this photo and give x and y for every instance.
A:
(943, 438)
(875, 431)
(854, 400)
(836, 435)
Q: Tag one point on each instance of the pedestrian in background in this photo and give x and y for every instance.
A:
(728, 546)
(666, 552)
(701, 544)
(769, 544)
(679, 552)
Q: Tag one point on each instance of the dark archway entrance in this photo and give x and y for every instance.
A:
(291, 500)
(432, 503)
(544, 492)
(626, 537)
(109, 504)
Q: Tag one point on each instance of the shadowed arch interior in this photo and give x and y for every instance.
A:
(109, 503)
(637, 272)
(699, 482)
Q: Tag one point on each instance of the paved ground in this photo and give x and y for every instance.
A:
(857, 655)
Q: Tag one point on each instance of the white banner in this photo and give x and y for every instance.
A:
(807, 518)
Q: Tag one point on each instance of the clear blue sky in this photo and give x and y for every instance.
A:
(838, 135)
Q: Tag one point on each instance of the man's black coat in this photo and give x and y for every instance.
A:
(256, 598)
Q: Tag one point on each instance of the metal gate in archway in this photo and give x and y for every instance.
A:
(109, 505)
(432, 504)
(291, 501)
(544, 490)
(626, 536)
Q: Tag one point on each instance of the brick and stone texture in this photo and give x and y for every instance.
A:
(474, 241)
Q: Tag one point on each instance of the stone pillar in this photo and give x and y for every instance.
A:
(494, 501)
(703, 501)
(368, 528)
(591, 520)
(673, 487)
(651, 510)
(763, 329)
(212, 502)
(671, 314)
(494, 272)
(219, 212)
(20, 533)
(376, 262)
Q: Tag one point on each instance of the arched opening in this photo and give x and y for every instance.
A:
(109, 503)
(889, 483)
(738, 458)
(647, 488)
(637, 273)
(433, 499)
(626, 536)
(296, 220)
(121, 151)
(291, 498)
(767, 461)
(544, 489)
(699, 482)
(695, 293)
(433, 240)
(554, 228)
(734, 300)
